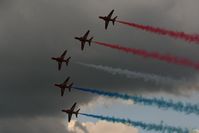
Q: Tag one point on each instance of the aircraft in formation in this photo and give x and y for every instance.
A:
(71, 111)
(61, 59)
(84, 39)
(108, 18)
(64, 85)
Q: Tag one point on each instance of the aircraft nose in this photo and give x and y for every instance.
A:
(55, 85)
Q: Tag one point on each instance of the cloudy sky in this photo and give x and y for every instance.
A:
(32, 31)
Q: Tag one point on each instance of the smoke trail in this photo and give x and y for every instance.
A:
(145, 126)
(154, 55)
(175, 34)
(133, 74)
(160, 103)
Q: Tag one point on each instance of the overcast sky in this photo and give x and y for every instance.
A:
(32, 31)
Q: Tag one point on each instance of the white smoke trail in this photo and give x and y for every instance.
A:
(133, 74)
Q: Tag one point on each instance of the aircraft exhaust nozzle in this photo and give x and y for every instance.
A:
(77, 112)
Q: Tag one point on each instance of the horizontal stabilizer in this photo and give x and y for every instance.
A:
(77, 112)
(114, 19)
(67, 61)
(90, 40)
(70, 86)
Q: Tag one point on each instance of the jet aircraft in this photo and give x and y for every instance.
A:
(64, 85)
(61, 59)
(71, 111)
(108, 18)
(84, 39)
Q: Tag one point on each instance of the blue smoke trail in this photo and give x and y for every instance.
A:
(160, 103)
(145, 126)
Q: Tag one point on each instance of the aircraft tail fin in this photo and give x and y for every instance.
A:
(77, 112)
(67, 61)
(90, 40)
(70, 86)
(114, 19)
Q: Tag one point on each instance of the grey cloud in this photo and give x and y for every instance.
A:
(35, 125)
(33, 31)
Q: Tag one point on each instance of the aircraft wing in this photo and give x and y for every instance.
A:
(64, 53)
(110, 14)
(106, 24)
(69, 116)
(62, 91)
(82, 45)
(59, 65)
(73, 107)
(86, 35)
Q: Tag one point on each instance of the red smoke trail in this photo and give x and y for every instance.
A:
(175, 34)
(154, 55)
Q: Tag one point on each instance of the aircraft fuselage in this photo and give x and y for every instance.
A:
(69, 111)
(59, 59)
(61, 85)
(82, 39)
(106, 18)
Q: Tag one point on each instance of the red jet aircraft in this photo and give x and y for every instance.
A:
(108, 18)
(71, 111)
(84, 39)
(64, 85)
(61, 59)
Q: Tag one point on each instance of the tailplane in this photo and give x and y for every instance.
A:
(67, 61)
(90, 40)
(77, 112)
(114, 19)
(70, 86)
